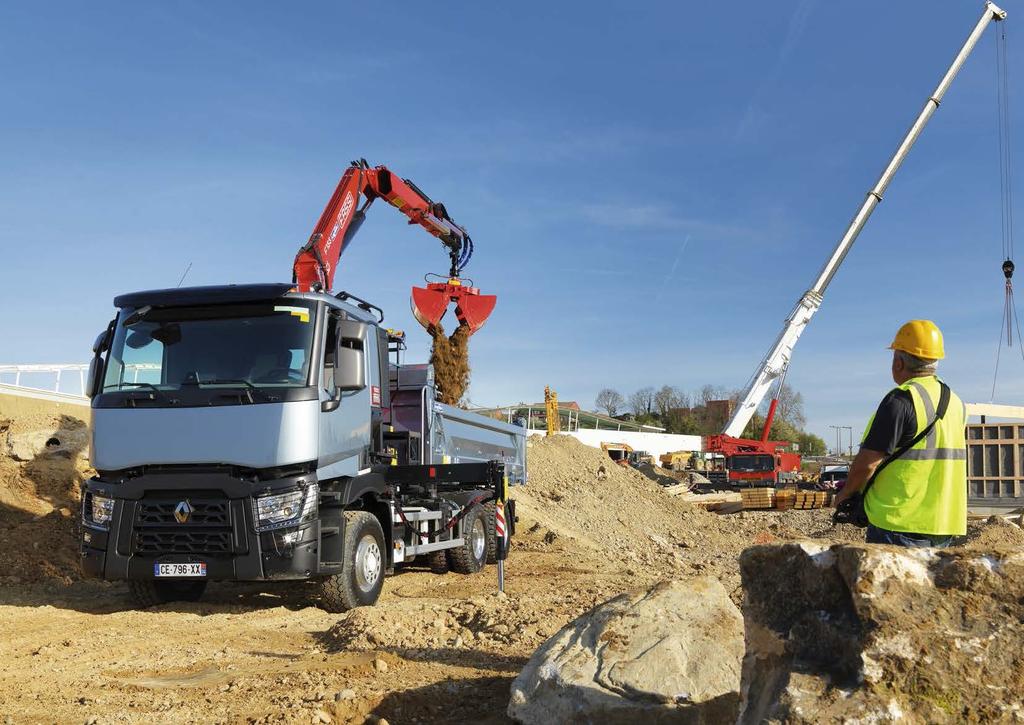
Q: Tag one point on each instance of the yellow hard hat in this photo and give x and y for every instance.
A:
(920, 338)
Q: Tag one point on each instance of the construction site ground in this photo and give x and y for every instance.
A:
(435, 648)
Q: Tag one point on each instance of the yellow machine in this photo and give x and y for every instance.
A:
(551, 410)
(618, 452)
(682, 460)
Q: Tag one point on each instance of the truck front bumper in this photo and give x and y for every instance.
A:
(220, 532)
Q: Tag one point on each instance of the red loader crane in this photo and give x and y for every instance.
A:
(360, 186)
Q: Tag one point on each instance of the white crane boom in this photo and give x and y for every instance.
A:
(774, 363)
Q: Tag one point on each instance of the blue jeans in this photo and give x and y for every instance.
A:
(876, 535)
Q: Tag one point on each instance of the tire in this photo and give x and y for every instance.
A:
(362, 573)
(438, 561)
(149, 593)
(491, 514)
(472, 555)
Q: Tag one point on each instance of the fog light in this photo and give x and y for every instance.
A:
(290, 538)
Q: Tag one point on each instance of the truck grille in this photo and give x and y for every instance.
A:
(183, 542)
(205, 530)
(161, 513)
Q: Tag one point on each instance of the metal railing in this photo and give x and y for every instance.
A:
(59, 373)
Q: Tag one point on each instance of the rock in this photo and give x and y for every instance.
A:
(380, 665)
(346, 694)
(321, 717)
(28, 445)
(669, 654)
(855, 632)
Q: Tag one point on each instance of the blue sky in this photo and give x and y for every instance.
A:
(650, 187)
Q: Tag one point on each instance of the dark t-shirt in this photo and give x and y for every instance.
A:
(895, 423)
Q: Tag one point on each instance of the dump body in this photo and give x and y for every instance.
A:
(239, 433)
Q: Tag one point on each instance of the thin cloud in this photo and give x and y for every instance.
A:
(672, 270)
(795, 30)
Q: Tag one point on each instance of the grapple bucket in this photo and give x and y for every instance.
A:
(431, 302)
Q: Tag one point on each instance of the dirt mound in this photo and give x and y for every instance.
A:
(621, 519)
(994, 533)
(42, 463)
(490, 621)
(450, 358)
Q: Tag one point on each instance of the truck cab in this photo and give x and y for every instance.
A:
(250, 432)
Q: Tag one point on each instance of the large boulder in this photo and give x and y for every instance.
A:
(860, 633)
(66, 440)
(669, 654)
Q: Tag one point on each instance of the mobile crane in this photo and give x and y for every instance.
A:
(764, 460)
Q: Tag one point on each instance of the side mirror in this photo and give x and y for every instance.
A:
(350, 356)
(99, 346)
(92, 382)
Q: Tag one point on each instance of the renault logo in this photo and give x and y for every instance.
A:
(183, 511)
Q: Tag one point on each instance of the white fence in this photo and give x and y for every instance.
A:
(44, 377)
(66, 379)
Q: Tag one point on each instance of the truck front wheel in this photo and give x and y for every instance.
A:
(472, 555)
(362, 573)
(148, 593)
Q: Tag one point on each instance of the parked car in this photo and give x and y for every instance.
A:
(833, 478)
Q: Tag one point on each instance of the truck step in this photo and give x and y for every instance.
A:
(330, 530)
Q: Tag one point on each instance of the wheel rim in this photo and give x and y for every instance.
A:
(368, 561)
(478, 539)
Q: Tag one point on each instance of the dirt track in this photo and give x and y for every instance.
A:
(434, 649)
(249, 654)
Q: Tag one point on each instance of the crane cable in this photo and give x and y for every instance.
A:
(1009, 319)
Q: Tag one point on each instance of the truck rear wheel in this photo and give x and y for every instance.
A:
(149, 593)
(362, 573)
(472, 555)
(438, 561)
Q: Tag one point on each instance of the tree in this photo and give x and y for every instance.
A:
(684, 422)
(610, 401)
(709, 393)
(642, 401)
(791, 407)
(667, 399)
(811, 445)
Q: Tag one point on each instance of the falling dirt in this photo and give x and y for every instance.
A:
(450, 358)
(435, 649)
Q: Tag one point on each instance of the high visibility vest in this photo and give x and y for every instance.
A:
(924, 491)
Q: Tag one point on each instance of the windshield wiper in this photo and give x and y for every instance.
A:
(249, 387)
(155, 395)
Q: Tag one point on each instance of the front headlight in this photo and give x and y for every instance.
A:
(286, 509)
(97, 510)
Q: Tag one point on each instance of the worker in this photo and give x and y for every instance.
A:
(918, 498)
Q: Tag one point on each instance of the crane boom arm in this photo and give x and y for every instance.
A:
(775, 361)
(317, 260)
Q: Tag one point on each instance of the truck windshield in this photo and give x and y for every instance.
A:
(751, 463)
(250, 346)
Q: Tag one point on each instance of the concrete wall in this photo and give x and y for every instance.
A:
(653, 443)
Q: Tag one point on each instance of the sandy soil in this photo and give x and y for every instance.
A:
(434, 649)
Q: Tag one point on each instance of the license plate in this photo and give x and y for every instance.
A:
(192, 568)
